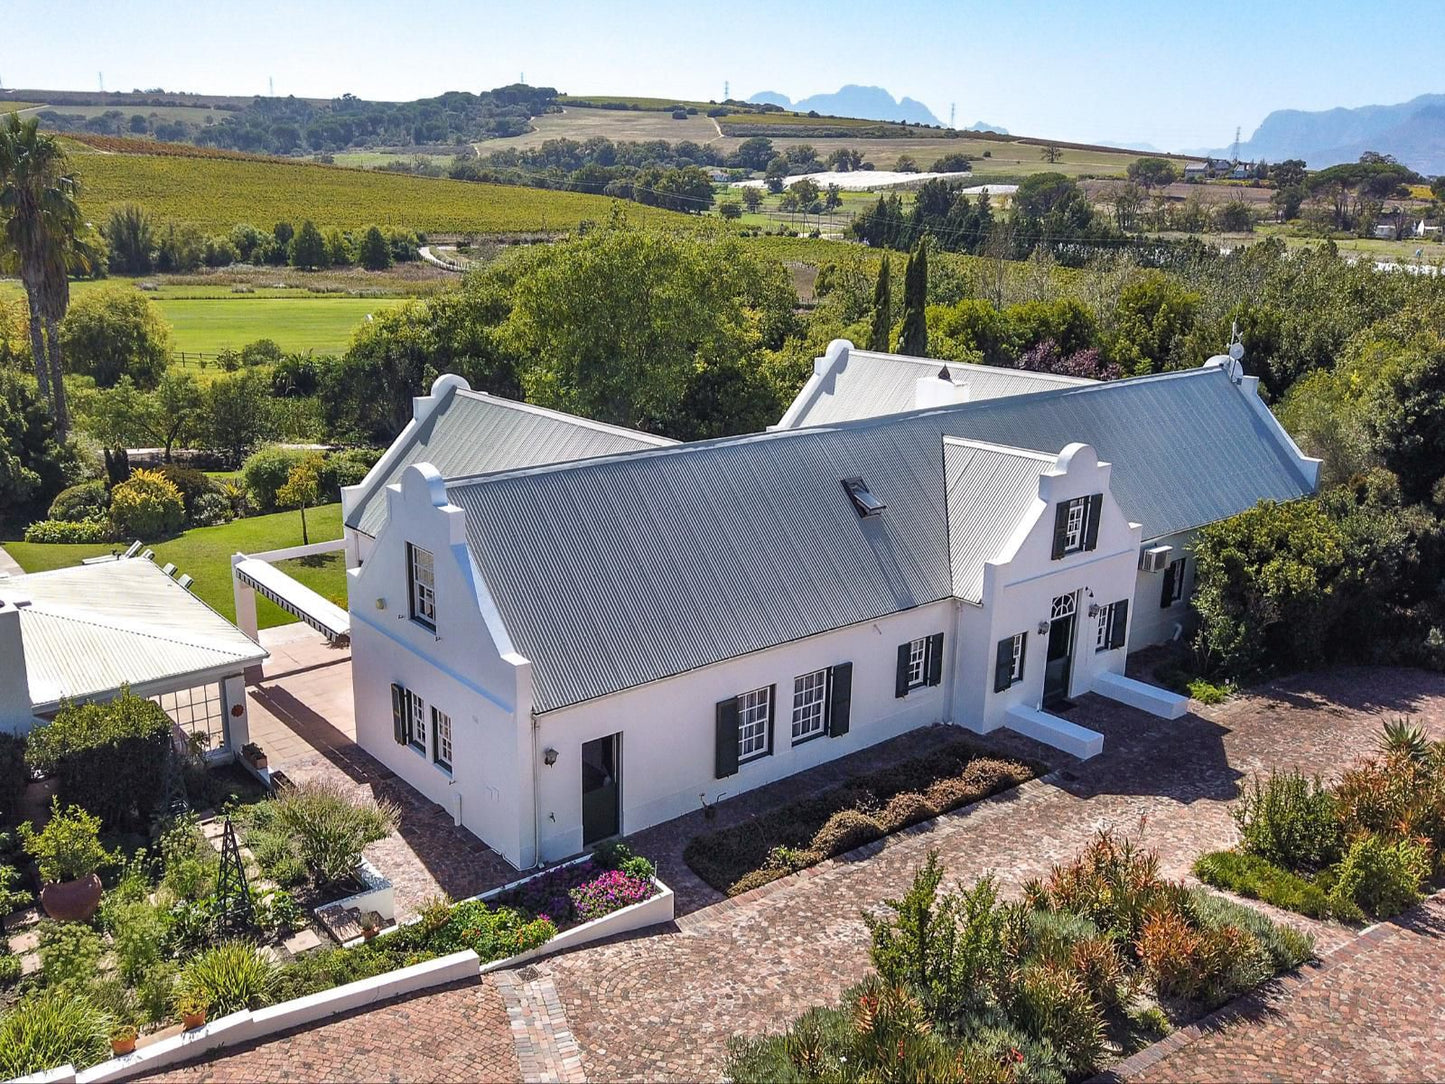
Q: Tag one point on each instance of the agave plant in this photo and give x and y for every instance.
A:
(1399, 739)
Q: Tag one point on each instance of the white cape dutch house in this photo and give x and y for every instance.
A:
(556, 652)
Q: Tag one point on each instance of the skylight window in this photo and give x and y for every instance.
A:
(866, 504)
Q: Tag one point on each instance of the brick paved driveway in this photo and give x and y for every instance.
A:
(663, 1006)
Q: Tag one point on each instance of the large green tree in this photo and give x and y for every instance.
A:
(42, 227)
(33, 463)
(913, 339)
(113, 332)
(882, 325)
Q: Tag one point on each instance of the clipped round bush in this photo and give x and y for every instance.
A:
(260, 352)
(148, 506)
(844, 831)
(50, 1029)
(86, 501)
(192, 483)
(211, 510)
(905, 809)
(265, 472)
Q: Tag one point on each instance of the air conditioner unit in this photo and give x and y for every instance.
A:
(1155, 558)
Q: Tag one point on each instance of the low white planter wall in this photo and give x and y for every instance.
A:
(650, 912)
(378, 896)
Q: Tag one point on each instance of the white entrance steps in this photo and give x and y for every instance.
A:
(1136, 694)
(1051, 730)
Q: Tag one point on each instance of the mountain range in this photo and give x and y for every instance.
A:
(869, 103)
(1413, 131)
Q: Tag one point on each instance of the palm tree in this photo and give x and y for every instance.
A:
(41, 221)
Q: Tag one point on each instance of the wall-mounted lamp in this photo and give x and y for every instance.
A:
(549, 757)
(381, 604)
(1043, 628)
(1095, 609)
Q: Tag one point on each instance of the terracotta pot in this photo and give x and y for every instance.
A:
(191, 1021)
(122, 1046)
(71, 901)
(367, 935)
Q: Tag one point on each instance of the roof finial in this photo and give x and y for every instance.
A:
(945, 374)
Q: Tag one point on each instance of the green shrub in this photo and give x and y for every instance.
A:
(155, 992)
(1054, 1005)
(107, 758)
(1259, 879)
(86, 501)
(1208, 693)
(138, 930)
(1399, 738)
(1395, 795)
(193, 484)
(50, 1029)
(345, 468)
(10, 970)
(211, 510)
(1286, 946)
(1113, 883)
(189, 862)
(231, 976)
(491, 934)
(69, 953)
(265, 472)
(260, 352)
(14, 776)
(1380, 877)
(68, 847)
(327, 826)
(68, 532)
(1204, 964)
(191, 925)
(1289, 820)
(295, 375)
(12, 895)
(146, 506)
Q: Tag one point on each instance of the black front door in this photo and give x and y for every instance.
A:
(1061, 651)
(599, 790)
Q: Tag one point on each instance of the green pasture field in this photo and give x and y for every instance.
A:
(205, 553)
(217, 193)
(15, 107)
(320, 324)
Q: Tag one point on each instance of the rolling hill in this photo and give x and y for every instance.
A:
(868, 103)
(1413, 131)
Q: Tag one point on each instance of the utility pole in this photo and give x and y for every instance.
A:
(1236, 144)
(952, 106)
(270, 86)
(100, 77)
(727, 91)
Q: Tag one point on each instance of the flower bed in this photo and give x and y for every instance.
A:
(1364, 847)
(867, 807)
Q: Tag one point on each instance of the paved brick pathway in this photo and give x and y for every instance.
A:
(662, 1007)
(1372, 1010)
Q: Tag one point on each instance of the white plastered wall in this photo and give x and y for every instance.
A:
(466, 668)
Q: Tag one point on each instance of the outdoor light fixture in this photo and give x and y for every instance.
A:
(1095, 609)
(1043, 628)
(381, 604)
(549, 757)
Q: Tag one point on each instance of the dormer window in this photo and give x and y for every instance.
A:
(421, 573)
(864, 502)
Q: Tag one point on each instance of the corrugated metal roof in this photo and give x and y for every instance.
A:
(989, 490)
(618, 571)
(873, 384)
(90, 629)
(473, 433)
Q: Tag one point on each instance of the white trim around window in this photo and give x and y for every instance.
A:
(755, 713)
(1074, 526)
(416, 723)
(1016, 668)
(441, 740)
(810, 705)
(917, 662)
(421, 576)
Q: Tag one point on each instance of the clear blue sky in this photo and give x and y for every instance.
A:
(1175, 75)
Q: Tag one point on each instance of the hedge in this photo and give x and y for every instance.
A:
(66, 531)
(108, 758)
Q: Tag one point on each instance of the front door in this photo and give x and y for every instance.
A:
(600, 793)
(1061, 649)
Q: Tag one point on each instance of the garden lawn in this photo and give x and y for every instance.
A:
(296, 324)
(205, 553)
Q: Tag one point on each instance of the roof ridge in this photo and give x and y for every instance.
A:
(1002, 449)
(875, 422)
(974, 366)
(562, 415)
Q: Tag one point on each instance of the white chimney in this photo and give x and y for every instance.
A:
(15, 708)
(939, 390)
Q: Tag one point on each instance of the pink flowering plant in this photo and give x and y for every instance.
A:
(608, 892)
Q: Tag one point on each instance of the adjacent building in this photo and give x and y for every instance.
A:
(563, 631)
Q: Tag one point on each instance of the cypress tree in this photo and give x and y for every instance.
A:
(882, 310)
(914, 337)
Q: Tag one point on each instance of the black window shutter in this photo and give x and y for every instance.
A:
(840, 699)
(398, 714)
(772, 714)
(1061, 528)
(1166, 593)
(900, 684)
(1119, 629)
(1179, 580)
(935, 658)
(726, 754)
(1004, 666)
(1023, 652)
(1091, 522)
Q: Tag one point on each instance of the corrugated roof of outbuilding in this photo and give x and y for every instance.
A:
(473, 433)
(613, 572)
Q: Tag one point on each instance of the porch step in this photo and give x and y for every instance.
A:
(1051, 730)
(1136, 694)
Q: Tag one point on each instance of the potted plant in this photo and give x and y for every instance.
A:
(370, 924)
(254, 754)
(192, 1006)
(69, 852)
(122, 1039)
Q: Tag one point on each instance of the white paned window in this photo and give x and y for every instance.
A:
(754, 712)
(422, 574)
(416, 724)
(1074, 531)
(200, 712)
(441, 739)
(1016, 672)
(1063, 606)
(810, 695)
(917, 661)
(1106, 619)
